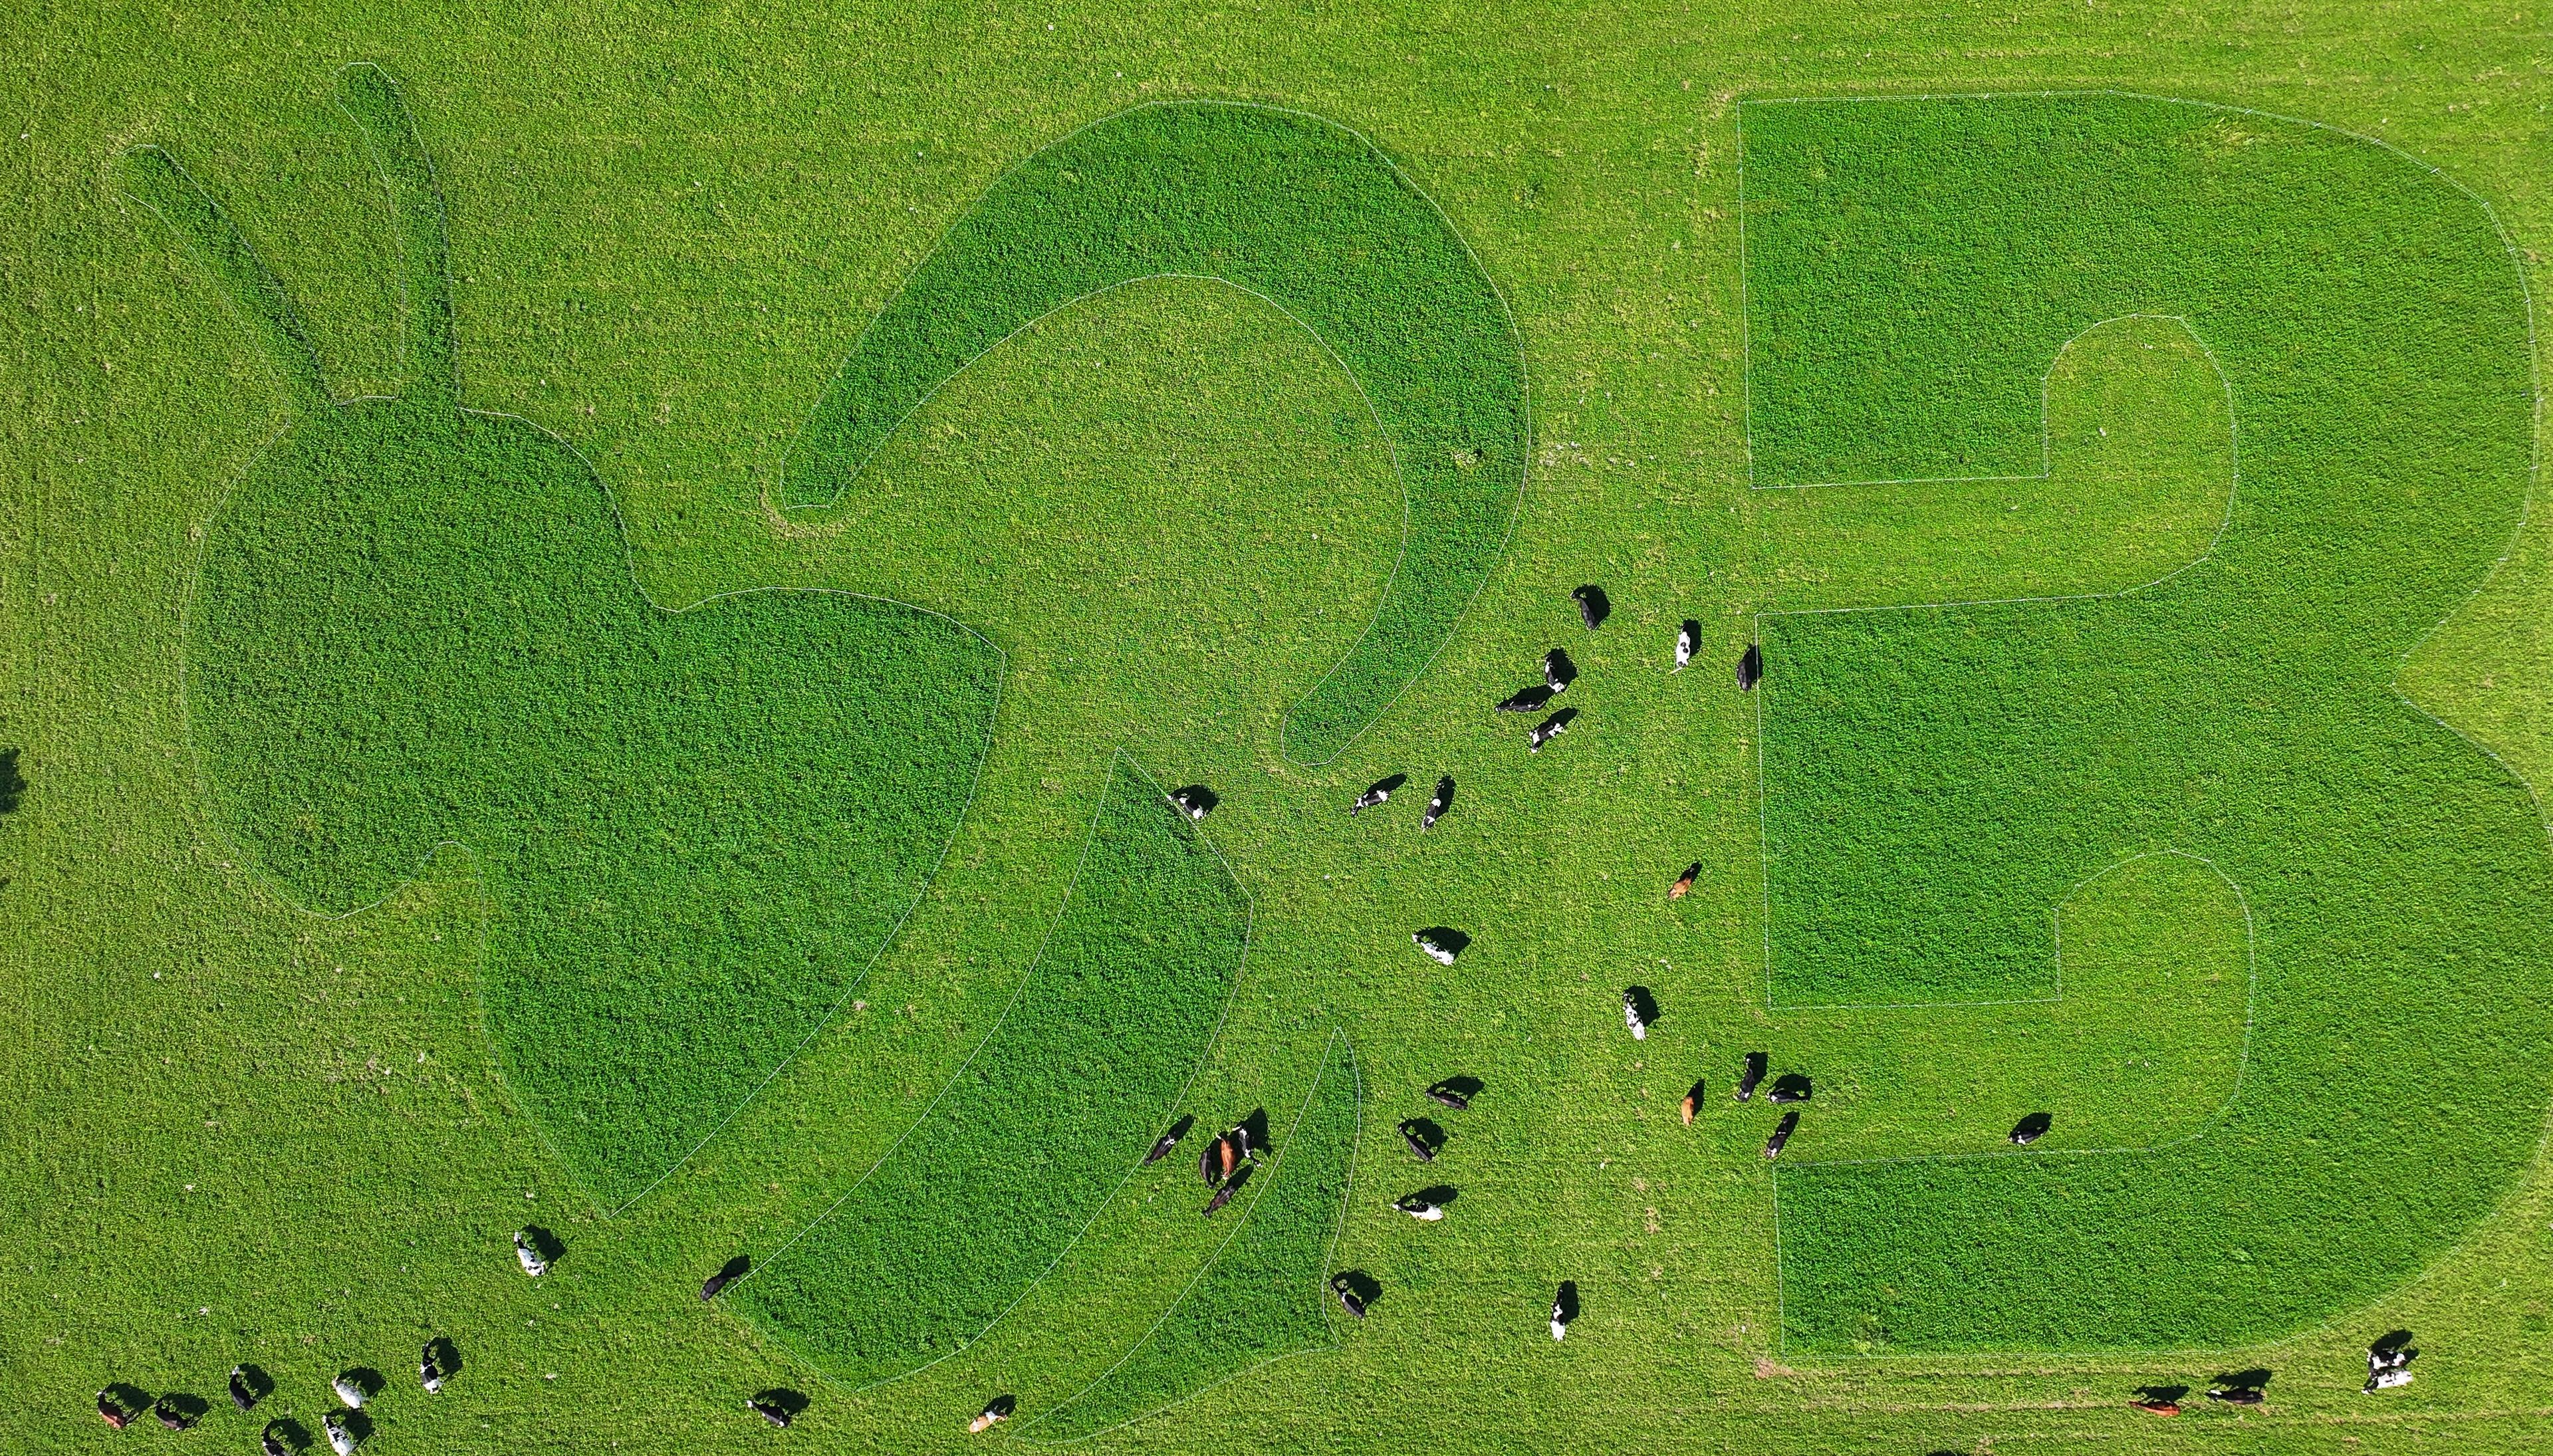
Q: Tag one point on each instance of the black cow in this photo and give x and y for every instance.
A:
(1525, 700)
(2030, 1129)
(1750, 668)
(1549, 728)
(1592, 606)
(1781, 1135)
(1558, 672)
(727, 1274)
(1346, 1293)
(1444, 1095)
(1195, 800)
(1437, 805)
(1418, 1144)
(248, 1386)
(1757, 1063)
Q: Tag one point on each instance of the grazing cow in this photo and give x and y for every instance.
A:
(112, 1411)
(1417, 1144)
(1445, 1097)
(1210, 1162)
(1549, 730)
(1193, 801)
(1787, 1090)
(1692, 1101)
(1240, 1136)
(1683, 882)
(1348, 1298)
(1781, 1135)
(727, 1274)
(996, 1411)
(1687, 638)
(1750, 668)
(1757, 1063)
(341, 1435)
(171, 1414)
(244, 1391)
(2387, 1380)
(1593, 607)
(2237, 1395)
(1222, 1195)
(2156, 1408)
(1560, 1317)
(1229, 1151)
(1631, 1017)
(270, 1440)
(1525, 700)
(529, 1257)
(1418, 1207)
(770, 1411)
(1437, 805)
(348, 1390)
(1558, 672)
(428, 1373)
(1436, 950)
(1371, 797)
(1162, 1149)
(2386, 1356)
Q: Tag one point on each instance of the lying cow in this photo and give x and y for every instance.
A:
(1750, 668)
(1418, 1145)
(1558, 672)
(1437, 805)
(1418, 1207)
(529, 1257)
(1593, 607)
(1781, 1135)
(1683, 882)
(1631, 1017)
(1371, 798)
(1549, 730)
(1348, 1298)
(1687, 638)
(1444, 1095)
(1757, 1063)
(341, 1434)
(1434, 948)
(112, 1411)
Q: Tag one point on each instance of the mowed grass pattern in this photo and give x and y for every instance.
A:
(1042, 1124)
(415, 625)
(1265, 1293)
(1297, 210)
(1937, 779)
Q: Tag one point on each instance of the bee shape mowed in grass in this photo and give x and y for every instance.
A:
(414, 625)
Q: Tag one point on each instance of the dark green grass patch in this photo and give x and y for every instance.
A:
(1937, 779)
(1020, 1149)
(1265, 1293)
(1297, 210)
(414, 625)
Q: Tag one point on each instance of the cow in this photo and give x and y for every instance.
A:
(1549, 730)
(1194, 801)
(429, 1372)
(1434, 948)
(2029, 1129)
(269, 1441)
(1444, 1095)
(1230, 1185)
(1371, 797)
(2387, 1380)
(1757, 1063)
(1417, 1206)
(995, 1411)
(1593, 607)
(1781, 1135)
(1692, 1103)
(348, 1390)
(1631, 1017)
(2156, 1408)
(1558, 672)
(341, 1435)
(769, 1409)
(112, 1411)
(2237, 1394)
(727, 1274)
(1560, 1316)
(1210, 1162)
(1683, 882)
(1349, 1300)
(244, 1388)
(1789, 1090)
(1525, 700)
(1687, 638)
(1437, 805)
(1230, 1148)
(168, 1413)
(527, 1256)
(1417, 1145)
(1750, 668)
(1162, 1149)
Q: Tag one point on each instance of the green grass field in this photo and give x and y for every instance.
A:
(598, 607)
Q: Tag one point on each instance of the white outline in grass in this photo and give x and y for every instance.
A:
(779, 512)
(2512, 543)
(1347, 1197)
(1240, 973)
(300, 404)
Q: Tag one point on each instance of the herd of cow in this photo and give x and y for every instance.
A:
(1226, 1163)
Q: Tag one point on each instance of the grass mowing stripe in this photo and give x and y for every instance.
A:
(1299, 211)
(1018, 1152)
(1265, 1295)
(414, 625)
(1935, 779)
